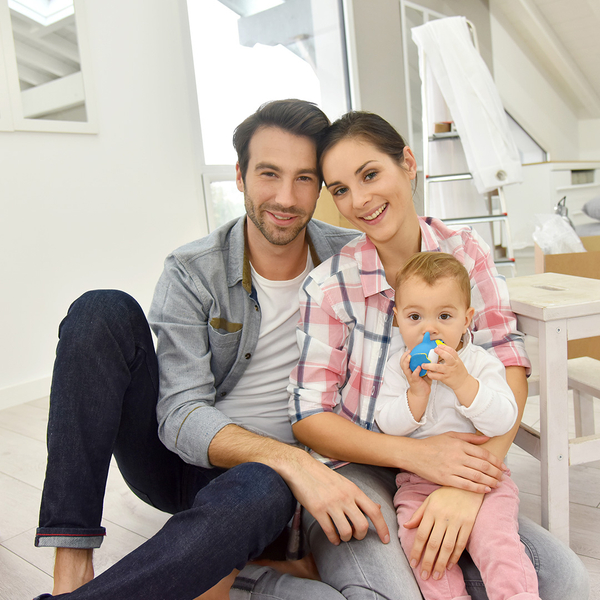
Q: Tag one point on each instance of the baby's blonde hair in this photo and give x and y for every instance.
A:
(432, 266)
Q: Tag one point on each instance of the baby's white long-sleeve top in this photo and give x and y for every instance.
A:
(493, 411)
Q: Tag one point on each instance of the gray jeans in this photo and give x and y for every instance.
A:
(370, 570)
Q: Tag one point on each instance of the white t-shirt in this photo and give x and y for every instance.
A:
(259, 401)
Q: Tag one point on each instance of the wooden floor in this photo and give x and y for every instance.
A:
(25, 571)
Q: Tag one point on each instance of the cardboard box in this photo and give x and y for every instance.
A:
(582, 264)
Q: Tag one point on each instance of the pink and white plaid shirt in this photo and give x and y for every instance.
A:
(346, 323)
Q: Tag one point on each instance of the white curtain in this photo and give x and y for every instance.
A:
(447, 51)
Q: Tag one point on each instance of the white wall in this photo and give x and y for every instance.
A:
(98, 211)
(530, 97)
(589, 139)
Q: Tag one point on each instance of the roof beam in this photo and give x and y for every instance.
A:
(51, 97)
(565, 67)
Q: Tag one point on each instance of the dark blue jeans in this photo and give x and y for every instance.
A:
(103, 402)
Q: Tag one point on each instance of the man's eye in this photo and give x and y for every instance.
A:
(305, 178)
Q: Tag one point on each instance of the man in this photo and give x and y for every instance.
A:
(224, 313)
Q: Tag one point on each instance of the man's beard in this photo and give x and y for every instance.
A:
(278, 236)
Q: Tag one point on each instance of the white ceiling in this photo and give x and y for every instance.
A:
(564, 36)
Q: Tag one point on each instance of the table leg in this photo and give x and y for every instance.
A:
(554, 421)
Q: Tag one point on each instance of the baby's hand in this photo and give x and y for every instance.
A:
(449, 370)
(419, 386)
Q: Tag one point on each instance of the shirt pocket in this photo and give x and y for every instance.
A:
(224, 343)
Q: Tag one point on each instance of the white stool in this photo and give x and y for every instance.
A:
(584, 380)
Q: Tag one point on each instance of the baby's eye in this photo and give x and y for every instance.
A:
(414, 317)
(445, 316)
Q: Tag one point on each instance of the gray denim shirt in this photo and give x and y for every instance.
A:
(206, 317)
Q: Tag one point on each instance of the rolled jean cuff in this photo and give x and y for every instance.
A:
(54, 537)
(246, 581)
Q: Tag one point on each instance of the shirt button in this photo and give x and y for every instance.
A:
(223, 394)
(248, 356)
(256, 307)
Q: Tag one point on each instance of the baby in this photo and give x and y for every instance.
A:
(466, 391)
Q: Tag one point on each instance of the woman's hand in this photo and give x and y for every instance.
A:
(444, 521)
(457, 460)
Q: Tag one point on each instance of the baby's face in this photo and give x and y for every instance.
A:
(439, 309)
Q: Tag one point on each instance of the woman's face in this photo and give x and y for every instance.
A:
(369, 187)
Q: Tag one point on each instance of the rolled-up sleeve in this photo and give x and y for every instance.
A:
(316, 380)
(187, 417)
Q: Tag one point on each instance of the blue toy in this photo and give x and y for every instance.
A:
(424, 353)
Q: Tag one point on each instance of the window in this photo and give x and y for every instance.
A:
(42, 86)
(247, 52)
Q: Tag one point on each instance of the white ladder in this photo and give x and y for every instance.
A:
(493, 211)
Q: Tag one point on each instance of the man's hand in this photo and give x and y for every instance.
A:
(456, 460)
(445, 521)
(340, 507)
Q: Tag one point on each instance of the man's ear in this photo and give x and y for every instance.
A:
(239, 180)
(469, 318)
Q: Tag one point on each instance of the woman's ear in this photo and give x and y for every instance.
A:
(410, 162)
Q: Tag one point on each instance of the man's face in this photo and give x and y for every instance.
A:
(281, 185)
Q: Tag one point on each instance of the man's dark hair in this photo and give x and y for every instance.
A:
(297, 117)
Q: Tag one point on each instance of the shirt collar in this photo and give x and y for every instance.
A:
(429, 241)
(238, 238)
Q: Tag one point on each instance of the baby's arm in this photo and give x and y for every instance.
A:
(451, 371)
(399, 411)
(418, 390)
(483, 396)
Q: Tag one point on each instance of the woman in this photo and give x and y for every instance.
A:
(345, 335)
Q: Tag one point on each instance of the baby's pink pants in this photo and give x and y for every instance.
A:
(494, 544)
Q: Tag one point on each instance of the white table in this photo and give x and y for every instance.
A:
(555, 308)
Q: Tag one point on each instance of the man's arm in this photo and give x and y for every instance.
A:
(337, 504)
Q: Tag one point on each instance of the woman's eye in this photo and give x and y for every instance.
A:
(370, 175)
(340, 191)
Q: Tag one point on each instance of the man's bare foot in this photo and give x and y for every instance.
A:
(72, 568)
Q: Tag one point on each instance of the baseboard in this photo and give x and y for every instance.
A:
(24, 392)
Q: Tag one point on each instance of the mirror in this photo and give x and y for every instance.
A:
(45, 58)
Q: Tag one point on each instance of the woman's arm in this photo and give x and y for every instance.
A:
(453, 459)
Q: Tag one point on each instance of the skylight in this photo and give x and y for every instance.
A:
(44, 12)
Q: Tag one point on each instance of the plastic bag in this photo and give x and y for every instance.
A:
(555, 236)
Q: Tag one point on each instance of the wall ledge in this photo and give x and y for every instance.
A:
(24, 392)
